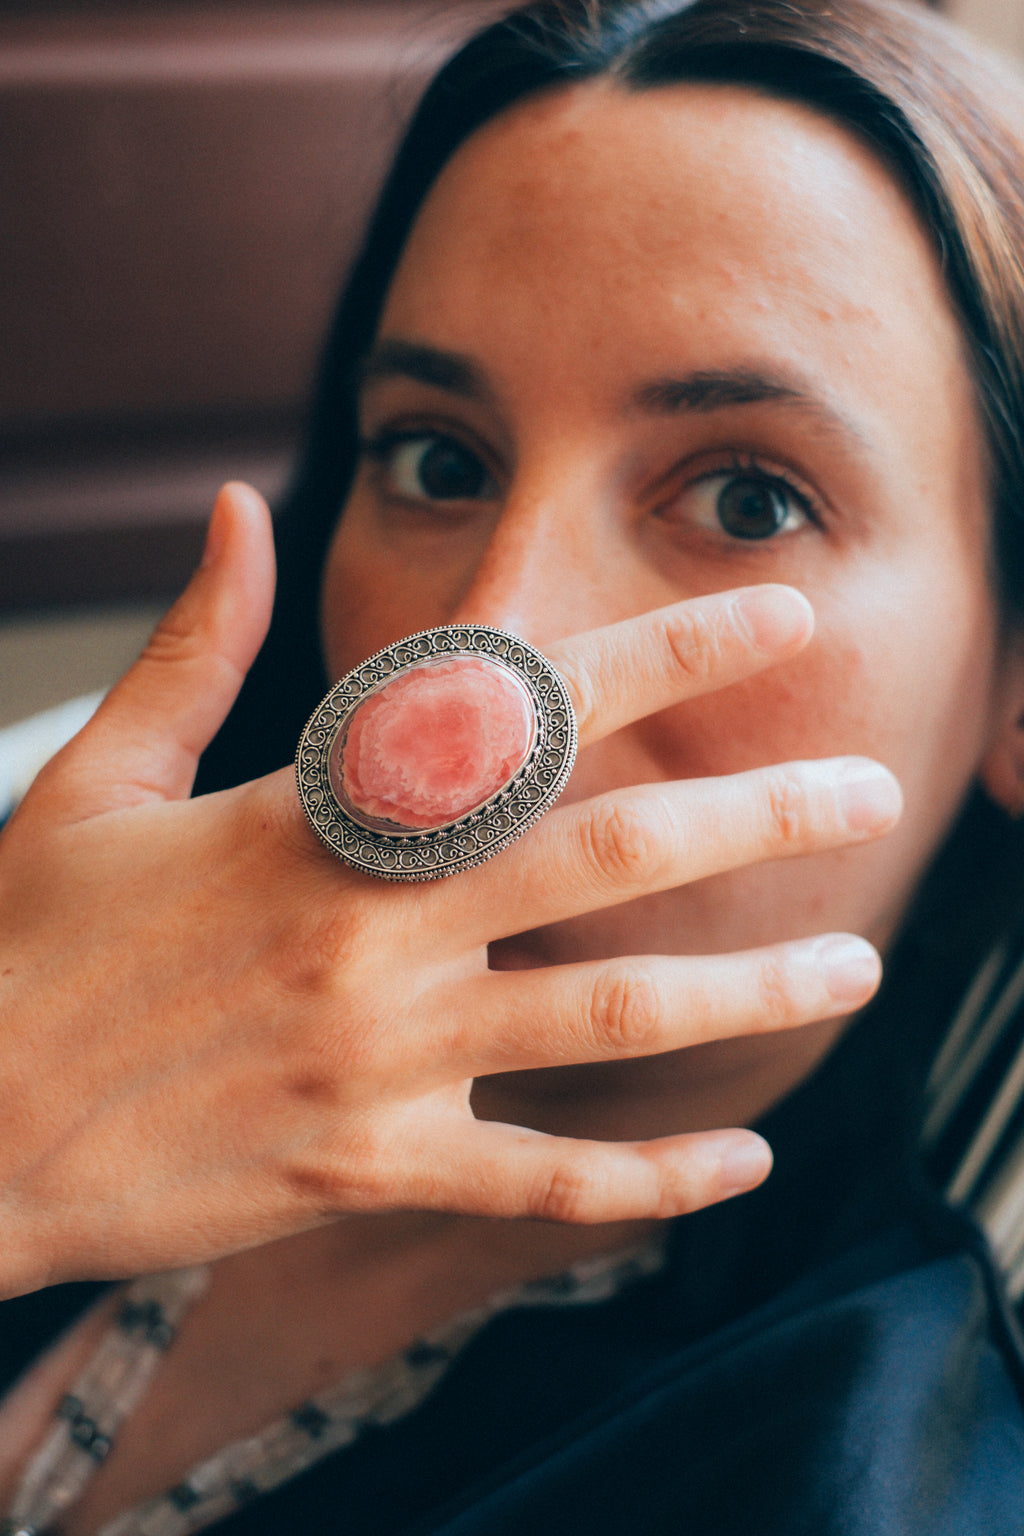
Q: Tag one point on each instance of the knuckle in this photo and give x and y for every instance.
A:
(583, 692)
(695, 645)
(679, 1188)
(341, 1038)
(350, 1175)
(776, 1002)
(566, 1194)
(311, 1085)
(626, 844)
(338, 1048)
(627, 1011)
(333, 1022)
(308, 959)
(174, 639)
(318, 1185)
(787, 810)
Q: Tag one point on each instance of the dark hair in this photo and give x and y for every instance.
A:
(899, 78)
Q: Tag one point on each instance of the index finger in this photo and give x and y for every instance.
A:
(625, 671)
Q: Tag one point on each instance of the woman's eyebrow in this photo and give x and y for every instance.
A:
(701, 391)
(718, 389)
(452, 371)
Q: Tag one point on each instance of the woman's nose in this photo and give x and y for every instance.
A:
(544, 572)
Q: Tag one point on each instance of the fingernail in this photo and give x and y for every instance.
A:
(774, 617)
(744, 1162)
(850, 966)
(869, 796)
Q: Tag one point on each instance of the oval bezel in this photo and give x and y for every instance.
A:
(469, 840)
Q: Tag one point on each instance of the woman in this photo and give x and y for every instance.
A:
(666, 312)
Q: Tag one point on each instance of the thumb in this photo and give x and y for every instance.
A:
(144, 741)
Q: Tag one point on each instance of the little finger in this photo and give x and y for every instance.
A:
(518, 1172)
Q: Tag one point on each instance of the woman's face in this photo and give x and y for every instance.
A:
(646, 346)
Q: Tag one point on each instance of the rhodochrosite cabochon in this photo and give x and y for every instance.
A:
(434, 743)
(437, 752)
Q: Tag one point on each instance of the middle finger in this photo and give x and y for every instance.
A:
(622, 672)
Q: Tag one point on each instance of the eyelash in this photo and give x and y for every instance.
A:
(751, 466)
(379, 449)
(379, 445)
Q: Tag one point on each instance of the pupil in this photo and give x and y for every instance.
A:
(448, 473)
(750, 509)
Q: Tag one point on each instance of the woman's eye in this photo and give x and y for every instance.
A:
(746, 505)
(433, 468)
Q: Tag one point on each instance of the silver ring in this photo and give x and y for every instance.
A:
(436, 753)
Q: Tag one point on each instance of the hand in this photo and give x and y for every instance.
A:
(215, 1034)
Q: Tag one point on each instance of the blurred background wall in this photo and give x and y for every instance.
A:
(182, 186)
(999, 22)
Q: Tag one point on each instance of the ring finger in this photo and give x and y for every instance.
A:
(629, 843)
(646, 1005)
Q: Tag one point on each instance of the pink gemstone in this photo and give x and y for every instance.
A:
(435, 743)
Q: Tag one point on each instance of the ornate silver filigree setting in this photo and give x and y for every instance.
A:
(399, 854)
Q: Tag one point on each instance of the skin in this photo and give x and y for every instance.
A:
(615, 255)
(576, 251)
